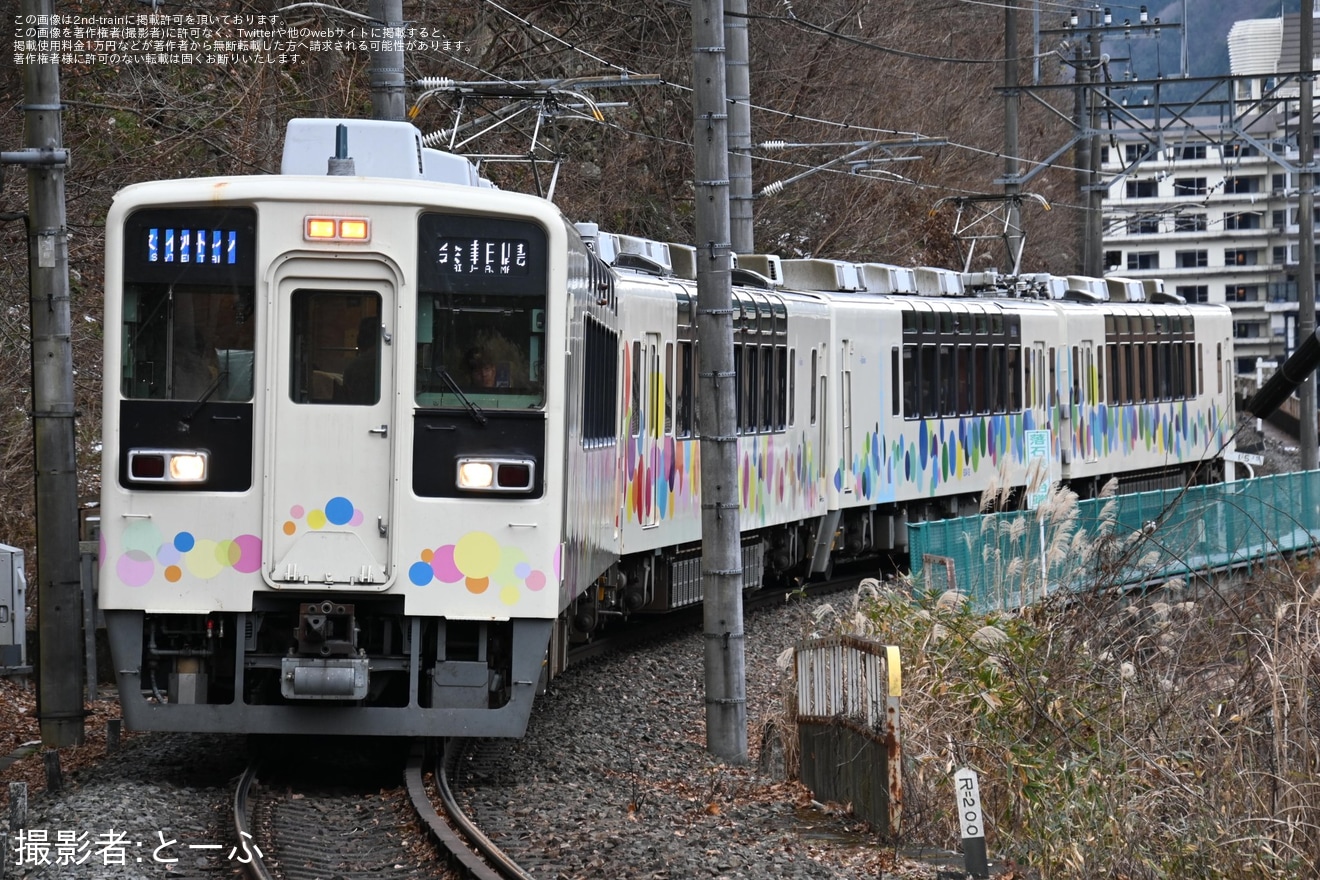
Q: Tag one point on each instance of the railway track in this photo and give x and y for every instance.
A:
(298, 824)
(329, 812)
(468, 846)
(291, 828)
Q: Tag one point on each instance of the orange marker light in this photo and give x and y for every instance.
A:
(320, 227)
(353, 230)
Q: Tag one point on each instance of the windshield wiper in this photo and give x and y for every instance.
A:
(201, 401)
(475, 411)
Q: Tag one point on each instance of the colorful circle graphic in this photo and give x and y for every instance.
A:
(339, 510)
(477, 554)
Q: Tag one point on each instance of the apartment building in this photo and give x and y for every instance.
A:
(1215, 213)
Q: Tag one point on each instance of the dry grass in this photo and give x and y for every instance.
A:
(1170, 734)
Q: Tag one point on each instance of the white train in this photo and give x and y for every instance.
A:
(379, 445)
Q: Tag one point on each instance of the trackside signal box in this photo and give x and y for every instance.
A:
(13, 613)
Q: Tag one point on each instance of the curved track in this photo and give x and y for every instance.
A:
(473, 852)
(257, 869)
(314, 816)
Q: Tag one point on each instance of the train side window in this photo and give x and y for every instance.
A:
(911, 382)
(1052, 391)
(792, 386)
(739, 398)
(684, 384)
(752, 389)
(1015, 378)
(815, 375)
(1076, 376)
(600, 372)
(783, 395)
(769, 389)
(1030, 359)
(1192, 390)
(966, 380)
(947, 401)
(1143, 372)
(981, 385)
(1165, 350)
(998, 378)
(1219, 366)
(1177, 360)
(895, 381)
(930, 378)
(668, 389)
(635, 421)
(1129, 374)
(1111, 355)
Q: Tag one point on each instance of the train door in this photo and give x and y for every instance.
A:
(652, 426)
(845, 409)
(820, 388)
(1088, 400)
(329, 460)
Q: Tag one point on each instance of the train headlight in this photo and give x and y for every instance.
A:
(495, 474)
(188, 468)
(475, 474)
(168, 465)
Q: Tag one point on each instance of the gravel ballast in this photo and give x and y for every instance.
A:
(613, 780)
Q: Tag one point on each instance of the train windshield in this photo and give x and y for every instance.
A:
(481, 313)
(188, 327)
(182, 342)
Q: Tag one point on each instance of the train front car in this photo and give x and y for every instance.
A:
(330, 503)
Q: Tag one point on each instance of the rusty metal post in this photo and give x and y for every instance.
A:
(894, 739)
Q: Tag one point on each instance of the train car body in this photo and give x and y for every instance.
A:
(313, 496)
(379, 446)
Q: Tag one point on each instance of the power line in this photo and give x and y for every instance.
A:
(797, 117)
(792, 19)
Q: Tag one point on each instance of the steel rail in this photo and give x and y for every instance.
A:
(455, 831)
(256, 869)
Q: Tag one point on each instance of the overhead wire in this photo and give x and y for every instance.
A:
(799, 117)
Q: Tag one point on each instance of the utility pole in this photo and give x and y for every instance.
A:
(1306, 427)
(388, 100)
(59, 588)
(1012, 188)
(737, 70)
(1089, 96)
(721, 551)
(1093, 249)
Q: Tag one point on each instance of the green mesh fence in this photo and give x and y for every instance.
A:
(997, 559)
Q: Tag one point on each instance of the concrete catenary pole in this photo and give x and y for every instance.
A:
(388, 97)
(59, 590)
(1306, 430)
(1012, 188)
(1082, 171)
(1095, 266)
(721, 554)
(738, 78)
